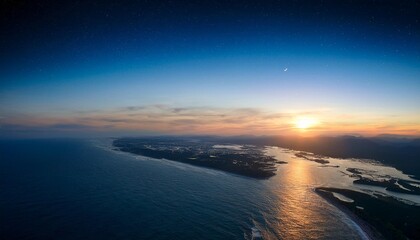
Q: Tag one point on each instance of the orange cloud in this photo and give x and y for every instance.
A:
(165, 119)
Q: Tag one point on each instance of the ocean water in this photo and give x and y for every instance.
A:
(79, 189)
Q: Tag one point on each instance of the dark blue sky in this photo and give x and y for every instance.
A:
(82, 35)
(362, 56)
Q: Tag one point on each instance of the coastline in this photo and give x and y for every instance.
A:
(369, 231)
(248, 161)
(372, 216)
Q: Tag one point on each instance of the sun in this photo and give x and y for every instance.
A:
(305, 122)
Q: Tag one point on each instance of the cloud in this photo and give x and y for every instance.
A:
(69, 126)
(132, 108)
(166, 119)
(162, 118)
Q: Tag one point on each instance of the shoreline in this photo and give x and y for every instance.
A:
(369, 231)
(248, 161)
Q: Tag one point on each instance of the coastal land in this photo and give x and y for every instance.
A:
(381, 217)
(245, 160)
(401, 153)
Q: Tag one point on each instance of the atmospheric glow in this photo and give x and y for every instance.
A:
(305, 122)
(250, 69)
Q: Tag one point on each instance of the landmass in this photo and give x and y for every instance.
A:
(402, 153)
(245, 160)
(398, 152)
(378, 215)
(312, 157)
(369, 177)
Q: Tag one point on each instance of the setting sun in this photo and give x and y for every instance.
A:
(305, 122)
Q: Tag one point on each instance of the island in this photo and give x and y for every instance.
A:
(245, 160)
(372, 178)
(312, 157)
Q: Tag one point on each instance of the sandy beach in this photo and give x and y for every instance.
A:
(368, 231)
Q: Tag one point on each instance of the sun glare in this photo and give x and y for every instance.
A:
(305, 122)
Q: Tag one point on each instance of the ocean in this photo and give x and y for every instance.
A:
(81, 189)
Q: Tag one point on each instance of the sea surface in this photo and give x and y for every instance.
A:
(81, 189)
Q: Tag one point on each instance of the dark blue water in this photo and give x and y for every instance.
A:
(72, 189)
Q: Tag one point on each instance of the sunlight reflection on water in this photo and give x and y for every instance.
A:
(299, 213)
(337, 177)
(285, 206)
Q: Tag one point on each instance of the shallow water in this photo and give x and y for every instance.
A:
(73, 189)
(339, 177)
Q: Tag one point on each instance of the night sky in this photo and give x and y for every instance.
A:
(76, 68)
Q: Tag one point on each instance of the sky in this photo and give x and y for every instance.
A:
(111, 68)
